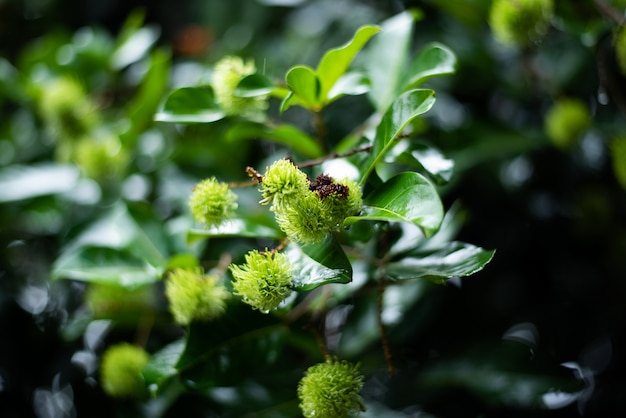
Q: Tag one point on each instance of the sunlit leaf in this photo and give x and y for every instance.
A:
(135, 47)
(190, 105)
(254, 85)
(145, 103)
(433, 60)
(106, 266)
(430, 161)
(456, 259)
(25, 182)
(335, 62)
(402, 111)
(351, 84)
(113, 250)
(406, 197)
(305, 85)
(318, 264)
(386, 59)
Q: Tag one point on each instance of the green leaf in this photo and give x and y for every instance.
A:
(241, 227)
(106, 266)
(318, 264)
(352, 84)
(406, 197)
(135, 47)
(305, 85)
(239, 345)
(289, 135)
(429, 161)
(386, 59)
(335, 62)
(403, 110)
(144, 104)
(505, 373)
(254, 85)
(457, 259)
(433, 60)
(190, 105)
(10, 83)
(113, 250)
(25, 182)
(161, 366)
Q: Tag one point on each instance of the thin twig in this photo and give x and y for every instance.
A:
(144, 328)
(608, 84)
(383, 332)
(320, 128)
(610, 12)
(335, 155)
(281, 246)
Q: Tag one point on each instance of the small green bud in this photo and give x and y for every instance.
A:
(264, 281)
(227, 74)
(307, 211)
(330, 390)
(566, 121)
(520, 22)
(195, 296)
(212, 202)
(101, 158)
(618, 155)
(66, 108)
(620, 49)
(120, 371)
(283, 181)
(308, 216)
(304, 219)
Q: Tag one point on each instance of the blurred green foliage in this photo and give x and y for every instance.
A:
(94, 194)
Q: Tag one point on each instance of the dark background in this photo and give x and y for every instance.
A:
(557, 218)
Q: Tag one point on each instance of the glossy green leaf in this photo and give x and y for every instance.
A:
(184, 260)
(456, 259)
(386, 59)
(241, 344)
(318, 264)
(106, 266)
(305, 85)
(351, 84)
(289, 135)
(248, 228)
(406, 197)
(145, 103)
(403, 110)
(429, 161)
(504, 374)
(433, 60)
(113, 250)
(135, 47)
(335, 62)
(254, 85)
(25, 182)
(190, 105)
(162, 364)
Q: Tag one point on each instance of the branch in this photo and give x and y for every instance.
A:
(334, 155)
(383, 332)
(609, 12)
